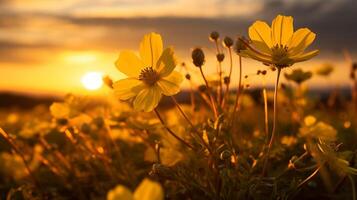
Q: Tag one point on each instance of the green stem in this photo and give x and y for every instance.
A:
(353, 187)
(238, 89)
(213, 104)
(274, 121)
(170, 131)
(226, 94)
(191, 124)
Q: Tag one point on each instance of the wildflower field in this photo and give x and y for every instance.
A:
(152, 139)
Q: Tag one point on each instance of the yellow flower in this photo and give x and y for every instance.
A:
(150, 76)
(318, 130)
(147, 190)
(279, 45)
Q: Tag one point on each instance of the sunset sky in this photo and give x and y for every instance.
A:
(46, 46)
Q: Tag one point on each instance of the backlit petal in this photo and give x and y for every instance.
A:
(260, 34)
(129, 64)
(149, 190)
(166, 63)
(127, 88)
(147, 99)
(305, 56)
(253, 55)
(151, 49)
(300, 40)
(170, 85)
(282, 29)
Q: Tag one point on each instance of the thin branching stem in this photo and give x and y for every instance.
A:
(189, 121)
(353, 187)
(309, 177)
(213, 104)
(170, 131)
(239, 89)
(275, 114)
(226, 94)
(18, 152)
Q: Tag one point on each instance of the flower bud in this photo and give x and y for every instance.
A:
(188, 76)
(214, 36)
(220, 57)
(228, 42)
(226, 80)
(198, 57)
(264, 72)
(354, 66)
(239, 46)
(108, 81)
(202, 88)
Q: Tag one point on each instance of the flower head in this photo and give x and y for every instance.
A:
(149, 76)
(279, 45)
(298, 76)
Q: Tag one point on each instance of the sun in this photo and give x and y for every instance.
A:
(92, 80)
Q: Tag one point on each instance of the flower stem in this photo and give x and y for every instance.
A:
(274, 121)
(170, 131)
(238, 89)
(17, 151)
(213, 104)
(226, 94)
(353, 187)
(266, 120)
(191, 124)
(309, 177)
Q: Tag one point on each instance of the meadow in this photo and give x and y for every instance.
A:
(220, 141)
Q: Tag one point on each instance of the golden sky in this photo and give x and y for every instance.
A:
(46, 46)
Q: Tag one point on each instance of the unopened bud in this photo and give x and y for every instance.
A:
(226, 80)
(188, 76)
(354, 66)
(239, 46)
(198, 57)
(214, 36)
(220, 57)
(202, 88)
(228, 42)
(264, 72)
(108, 81)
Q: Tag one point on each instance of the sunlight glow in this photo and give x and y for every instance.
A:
(92, 80)
(81, 57)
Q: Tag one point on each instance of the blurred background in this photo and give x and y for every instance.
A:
(55, 47)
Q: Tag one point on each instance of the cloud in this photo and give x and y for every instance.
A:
(333, 22)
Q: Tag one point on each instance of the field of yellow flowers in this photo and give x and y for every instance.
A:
(224, 143)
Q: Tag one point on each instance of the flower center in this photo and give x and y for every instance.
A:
(280, 55)
(149, 76)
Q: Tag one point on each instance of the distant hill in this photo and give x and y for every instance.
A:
(28, 101)
(24, 101)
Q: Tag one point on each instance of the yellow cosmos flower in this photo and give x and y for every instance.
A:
(150, 76)
(279, 45)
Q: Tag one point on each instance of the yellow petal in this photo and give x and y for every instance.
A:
(149, 190)
(282, 29)
(129, 64)
(305, 56)
(151, 49)
(300, 40)
(253, 55)
(147, 99)
(170, 85)
(260, 34)
(120, 193)
(166, 63)
(127, 88)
